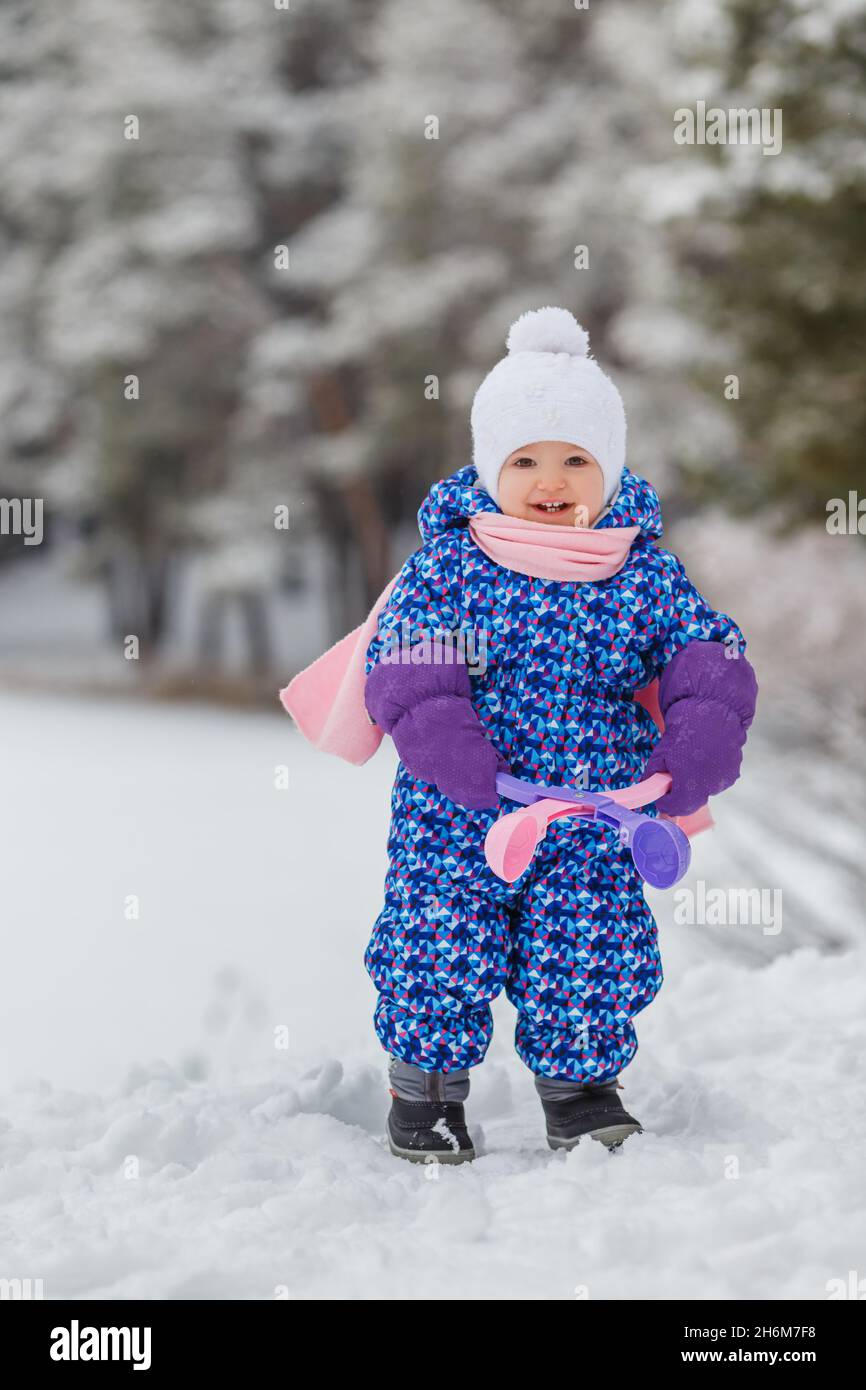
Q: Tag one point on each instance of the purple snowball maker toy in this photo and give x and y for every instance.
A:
(660, 850)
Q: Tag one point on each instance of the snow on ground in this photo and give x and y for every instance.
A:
(155, 1143)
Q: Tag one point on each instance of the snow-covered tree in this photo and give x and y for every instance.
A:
(768, 249)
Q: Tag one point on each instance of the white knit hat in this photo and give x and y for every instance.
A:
(547, 388)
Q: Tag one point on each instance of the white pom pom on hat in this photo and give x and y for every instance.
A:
(548, 330)
(547, 387)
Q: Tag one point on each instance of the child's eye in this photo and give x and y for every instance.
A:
(576, 459)
(518, 462)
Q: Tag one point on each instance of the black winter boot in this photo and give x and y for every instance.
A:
(428, 1131)
(427, 1123)
(591, 1109)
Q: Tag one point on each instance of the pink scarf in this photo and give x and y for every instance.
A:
(530, 547)
(326, 699)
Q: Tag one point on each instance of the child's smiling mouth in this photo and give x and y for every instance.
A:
(550, 508)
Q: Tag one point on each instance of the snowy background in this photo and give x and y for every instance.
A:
(283, 260)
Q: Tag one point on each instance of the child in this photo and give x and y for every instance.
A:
(543, 552)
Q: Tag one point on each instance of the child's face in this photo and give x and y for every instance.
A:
(557, 483)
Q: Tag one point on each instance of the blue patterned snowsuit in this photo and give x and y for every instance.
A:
(572, 941)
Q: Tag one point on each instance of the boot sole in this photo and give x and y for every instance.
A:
(430, 1155)
(612, 1136)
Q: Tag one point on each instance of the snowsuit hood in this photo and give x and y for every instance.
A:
(451, 501)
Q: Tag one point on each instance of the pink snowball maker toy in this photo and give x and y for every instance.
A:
(659, 848)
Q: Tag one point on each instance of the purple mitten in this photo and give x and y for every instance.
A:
(708, 702)
(427, 710)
